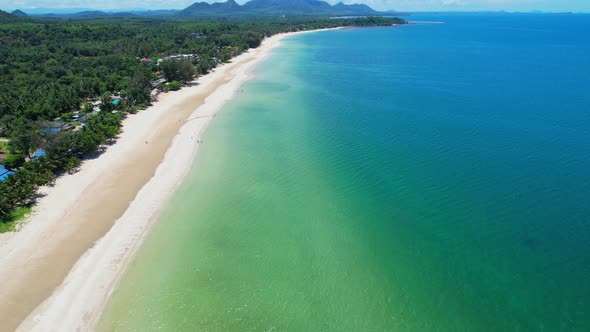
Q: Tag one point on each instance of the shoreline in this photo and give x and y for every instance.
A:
(79, 286)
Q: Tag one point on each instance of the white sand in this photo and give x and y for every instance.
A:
(77, 303)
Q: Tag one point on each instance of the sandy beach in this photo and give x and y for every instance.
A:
(60, 268)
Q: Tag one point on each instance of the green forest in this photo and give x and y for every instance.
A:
(66, 85)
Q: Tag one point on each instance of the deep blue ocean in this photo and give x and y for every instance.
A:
(428, 177)
(476, 134)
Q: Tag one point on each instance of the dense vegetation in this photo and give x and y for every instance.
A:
(65, 86)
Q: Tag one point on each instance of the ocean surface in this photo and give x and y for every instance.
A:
(430, 177)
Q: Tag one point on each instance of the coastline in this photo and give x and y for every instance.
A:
(67, 228)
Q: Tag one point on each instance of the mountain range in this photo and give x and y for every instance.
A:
(230, 8)
(275, 7)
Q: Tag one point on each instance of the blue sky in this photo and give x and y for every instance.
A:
(402, 5)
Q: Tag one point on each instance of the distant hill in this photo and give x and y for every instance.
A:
(19, 13)
(56, 11)
(98, 14)
(6, 17)
(354, 8)
(201, 9)
(288, 6)
(230, 5)
(274, 8)
(155, 13)
(92, 14)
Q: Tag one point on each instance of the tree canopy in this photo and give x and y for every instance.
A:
(65, 85)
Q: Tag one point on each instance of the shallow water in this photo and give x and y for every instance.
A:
(425, 177)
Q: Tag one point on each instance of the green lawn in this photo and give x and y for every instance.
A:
(14, 218)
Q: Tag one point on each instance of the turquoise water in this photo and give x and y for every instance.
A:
(419, 178)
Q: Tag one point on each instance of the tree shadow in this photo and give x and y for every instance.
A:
(101, 150)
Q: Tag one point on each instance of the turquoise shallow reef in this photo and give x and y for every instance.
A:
(431, 177)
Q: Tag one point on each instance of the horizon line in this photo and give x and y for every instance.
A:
(119, 10)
